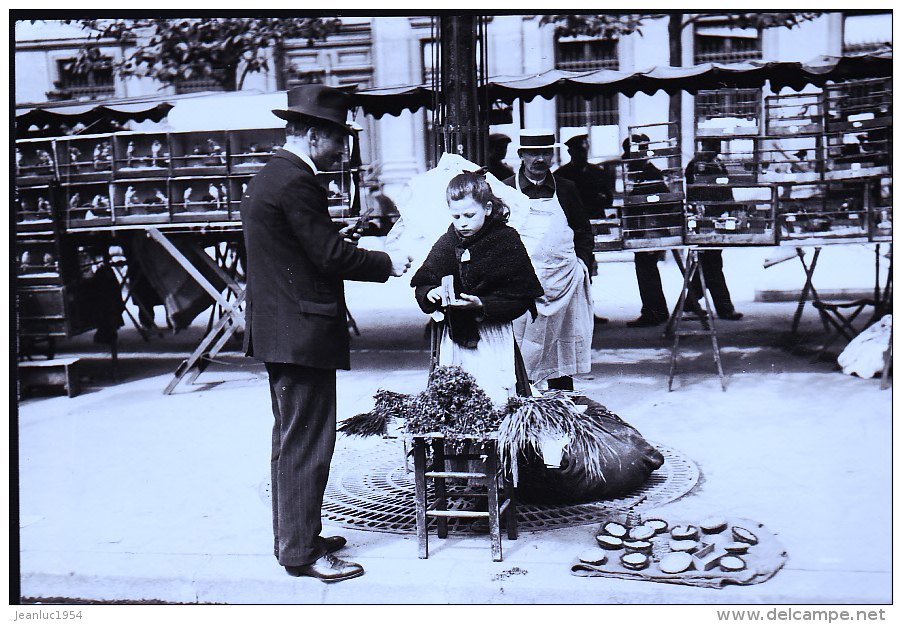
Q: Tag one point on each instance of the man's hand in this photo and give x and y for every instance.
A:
(400, 263)
(351, 233)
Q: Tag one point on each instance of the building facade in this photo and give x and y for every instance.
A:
(398, 50)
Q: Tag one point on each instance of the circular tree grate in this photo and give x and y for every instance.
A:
(372, 489)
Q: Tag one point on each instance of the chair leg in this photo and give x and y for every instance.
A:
(441, 492)
(419, 462)
(491, 481)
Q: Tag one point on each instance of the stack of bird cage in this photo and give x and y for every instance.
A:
(652, 213)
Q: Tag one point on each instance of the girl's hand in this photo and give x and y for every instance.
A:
(467, 301)
(434, 295)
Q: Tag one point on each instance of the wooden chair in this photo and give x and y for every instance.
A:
(488, 474)
(841, 317)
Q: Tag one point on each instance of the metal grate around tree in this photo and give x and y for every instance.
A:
(370, 488)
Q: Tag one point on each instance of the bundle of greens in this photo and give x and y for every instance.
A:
(452, 404)
(529, 419)
(455, 406)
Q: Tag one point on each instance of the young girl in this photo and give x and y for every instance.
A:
(494, 283)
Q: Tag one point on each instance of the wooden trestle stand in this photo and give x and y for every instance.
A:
(674, 324)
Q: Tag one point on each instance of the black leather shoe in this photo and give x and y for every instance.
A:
(328, 569)
(732, 316)
(645, 321)
(336, 542)
(601, 320)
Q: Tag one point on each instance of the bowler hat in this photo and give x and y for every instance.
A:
(537, 139)
(318, 102)
(576, 139)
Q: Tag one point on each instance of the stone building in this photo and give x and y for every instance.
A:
(397, 50)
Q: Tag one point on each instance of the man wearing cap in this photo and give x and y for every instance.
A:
(701, 175)
(646, 179)
(296, 319)
(558, 237)
(596, 189)
(498, 143)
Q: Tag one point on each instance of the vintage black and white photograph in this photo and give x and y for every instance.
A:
(393, 308)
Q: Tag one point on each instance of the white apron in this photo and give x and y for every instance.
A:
(491, 361)
(559, 341)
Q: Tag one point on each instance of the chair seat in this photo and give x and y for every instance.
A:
(841, 315)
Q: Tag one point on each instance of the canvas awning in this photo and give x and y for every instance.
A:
(54, 115)
(751, 74)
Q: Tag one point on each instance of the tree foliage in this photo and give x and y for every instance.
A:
(611, 25)
(175, 50)
(604, 26)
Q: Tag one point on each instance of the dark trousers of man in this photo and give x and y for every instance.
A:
(303, 439)
(654, 305)
(711, 263)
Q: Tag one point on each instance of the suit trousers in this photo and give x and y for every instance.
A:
(651, 291)
(303, 440)
(711, 263)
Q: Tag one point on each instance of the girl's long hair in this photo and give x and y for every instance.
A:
(474, 184)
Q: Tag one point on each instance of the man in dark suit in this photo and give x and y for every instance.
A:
(646, 179)
(704, 169)
(497, 150)
(595, 186)
(297, 319)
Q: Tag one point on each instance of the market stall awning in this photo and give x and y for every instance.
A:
(751, 74)
(42, 115)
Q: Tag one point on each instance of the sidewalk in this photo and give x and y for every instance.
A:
(129, 494)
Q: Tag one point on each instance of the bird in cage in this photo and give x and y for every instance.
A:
(212, 195)
(155, 149)
(100, 205)
(186, 196)
(216, 150)
(224, 193)
(130, 154)
(49, 260)
(44, 159)
(131, 198)
(26, 259)
(18, 159)
(74, 154)
(158, 194)
(74, 201)
(98, 156)
(43, 206)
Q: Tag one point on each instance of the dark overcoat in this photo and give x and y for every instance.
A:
(296, 263)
